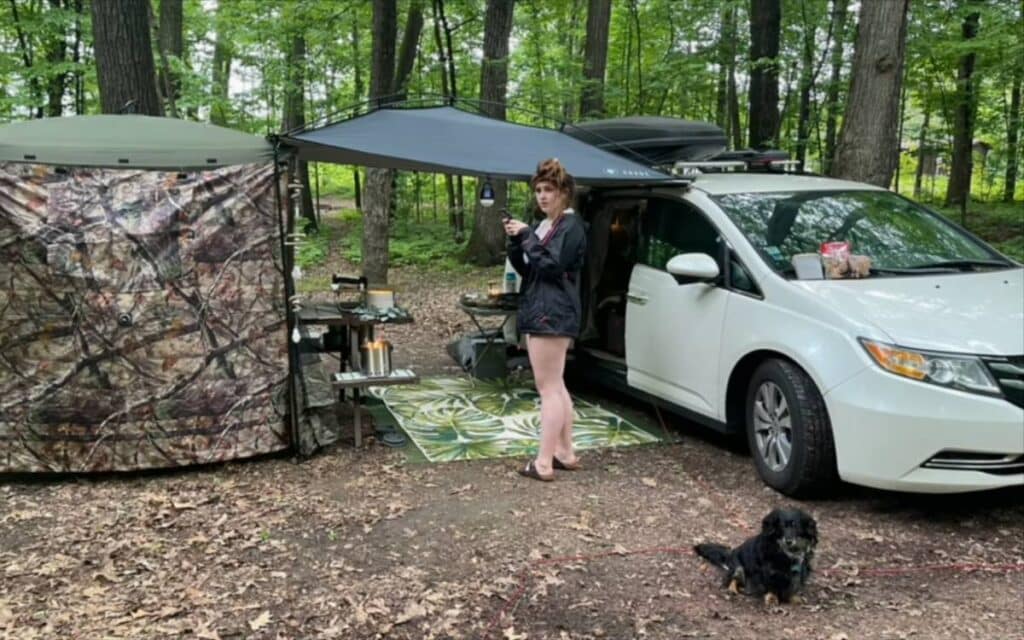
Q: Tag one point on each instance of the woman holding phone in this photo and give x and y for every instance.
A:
(548, 257)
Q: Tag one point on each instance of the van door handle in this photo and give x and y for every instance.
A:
(638, 299)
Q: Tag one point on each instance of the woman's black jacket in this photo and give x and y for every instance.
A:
(549, 301)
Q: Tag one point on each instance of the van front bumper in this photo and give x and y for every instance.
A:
(903, 435)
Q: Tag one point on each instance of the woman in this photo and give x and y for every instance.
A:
(549, 257)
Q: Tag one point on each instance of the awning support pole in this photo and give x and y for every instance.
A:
(284, 225)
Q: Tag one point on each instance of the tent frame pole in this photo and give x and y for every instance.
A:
(284, 224)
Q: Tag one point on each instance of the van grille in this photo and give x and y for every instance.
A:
(1009, 374)
(1002, 464)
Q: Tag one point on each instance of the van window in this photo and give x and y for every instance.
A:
(669, 228)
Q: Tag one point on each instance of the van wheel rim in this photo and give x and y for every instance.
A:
(773, 426)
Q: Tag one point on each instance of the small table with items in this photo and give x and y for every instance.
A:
(478, 306)
(350, 325)
(357, 381)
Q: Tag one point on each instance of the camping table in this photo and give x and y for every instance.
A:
(475, 312)
(357, 381)
(359, 323)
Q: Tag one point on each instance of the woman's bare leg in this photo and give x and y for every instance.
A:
(564, 450)
(547, 359)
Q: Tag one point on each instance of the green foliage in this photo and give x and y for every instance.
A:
(428, 244)
(664, 58)
(1001, 224)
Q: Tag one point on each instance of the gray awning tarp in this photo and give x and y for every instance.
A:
(130, 142)
(449, 140)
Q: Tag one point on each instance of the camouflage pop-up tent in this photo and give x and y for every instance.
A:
(142, 304)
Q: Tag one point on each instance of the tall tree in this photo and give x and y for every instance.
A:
(79, 74)
(25, 48)
(220, 108)
(487, 239)
(378, 191)
(963, 124)
(409, 47)
(923, 148)
(56, 54)
(595, 58)
(357, 87)
(872, 110)
(765, 23)
(171, 41)
(731, 33)
(294, 96)
(124, 57)
(808, 76)
(447, 64)
(1013, 134)
(838, 29)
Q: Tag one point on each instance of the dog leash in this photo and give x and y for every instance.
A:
(524, 573)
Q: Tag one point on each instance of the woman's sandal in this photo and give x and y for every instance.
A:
(558, 464)
(531, 472)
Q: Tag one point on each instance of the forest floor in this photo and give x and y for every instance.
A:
(364, 544)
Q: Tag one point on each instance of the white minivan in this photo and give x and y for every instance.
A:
(910, 378)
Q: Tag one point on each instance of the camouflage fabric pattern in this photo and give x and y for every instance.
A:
(142, 320)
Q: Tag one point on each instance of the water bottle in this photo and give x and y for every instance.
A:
(511, 282)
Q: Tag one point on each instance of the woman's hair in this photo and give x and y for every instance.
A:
(552, 171)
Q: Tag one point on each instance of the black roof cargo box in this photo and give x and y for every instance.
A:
(655, 140)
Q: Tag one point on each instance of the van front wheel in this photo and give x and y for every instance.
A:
(788, 430)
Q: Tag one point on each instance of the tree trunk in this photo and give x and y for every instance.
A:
(722, 89)
(803, 128)
(765, 22)
(220, 108)
(171, 44)
(963, 123)
(79, 71)
(446, 92)
(455, 191)
(595, 58)
(922, 144)
(487, 241)
(295, 106)
(358, 87)
(731, 31)
(410, 45)
(1012, 136)
(570, 83)
(56, 54)
(377, 193)
(832, 95)
(124, 57)
(26, 56)
(869, 124)
(634, 11)
(898, 151)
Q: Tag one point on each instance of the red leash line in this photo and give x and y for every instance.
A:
(524, 573)
(963, 567)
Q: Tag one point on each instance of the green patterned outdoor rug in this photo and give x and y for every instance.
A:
(466, 419)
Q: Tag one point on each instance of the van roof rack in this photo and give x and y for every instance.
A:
(768, 160)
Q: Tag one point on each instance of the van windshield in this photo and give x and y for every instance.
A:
(897, 235)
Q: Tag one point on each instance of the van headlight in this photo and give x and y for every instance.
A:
(956, 372)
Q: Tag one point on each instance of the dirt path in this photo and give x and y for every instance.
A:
(360, 544)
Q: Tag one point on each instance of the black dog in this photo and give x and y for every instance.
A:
(775, 563)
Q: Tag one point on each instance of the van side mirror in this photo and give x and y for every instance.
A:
(693, 267)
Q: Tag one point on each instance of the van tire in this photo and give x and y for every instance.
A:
(810, 469)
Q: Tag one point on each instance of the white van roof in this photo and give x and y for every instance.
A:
(746, 182)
